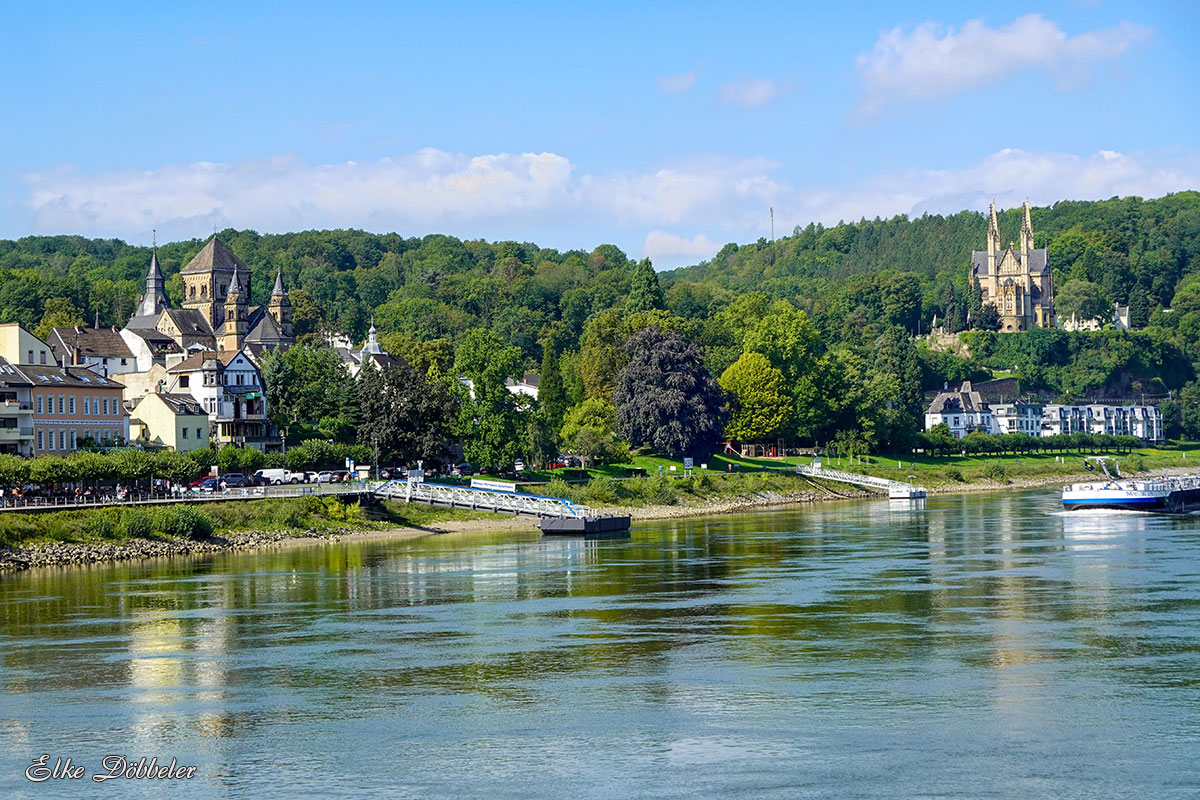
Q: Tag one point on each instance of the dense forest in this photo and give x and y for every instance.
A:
(845, 299)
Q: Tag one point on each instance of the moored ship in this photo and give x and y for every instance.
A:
(1165, 495)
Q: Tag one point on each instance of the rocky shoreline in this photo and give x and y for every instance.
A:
(68, 554)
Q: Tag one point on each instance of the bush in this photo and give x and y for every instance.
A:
(1133, 463)
(662, 491)
(955, 474)
(601, 491)
(135, 523)
(185, 522)
(994, 470)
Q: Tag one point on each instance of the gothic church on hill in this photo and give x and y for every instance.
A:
(216, 312)
(1016, 281)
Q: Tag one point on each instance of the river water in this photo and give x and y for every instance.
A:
(983, 647)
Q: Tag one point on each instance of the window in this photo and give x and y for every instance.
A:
(43, 360)
(72, 405)
(106, 406)
(124, 361)
(39, 408)
(87, 406)
(72, 438)
(185, 381)
(185, 433)
(62, 438)
(41, 438)
(62, 404)
(51, 438)
(198, 434)
(30, 356)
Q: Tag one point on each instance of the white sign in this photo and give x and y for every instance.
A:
(687, 463)
(495, 486)
(416, 476)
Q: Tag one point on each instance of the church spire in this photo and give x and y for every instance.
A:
(155, 298)
(278, 290)
(1026, 231)
(372, 345)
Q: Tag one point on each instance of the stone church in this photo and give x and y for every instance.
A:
(216, 313)
(1015, 280)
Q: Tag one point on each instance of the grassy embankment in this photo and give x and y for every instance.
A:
(927, 470)
(307, 516)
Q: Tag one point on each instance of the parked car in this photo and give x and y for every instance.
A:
(462, 470)
(518, 466)
(333, 476)
(206, 485)
(235, 480)
(393, 473)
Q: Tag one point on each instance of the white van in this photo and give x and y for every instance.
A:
(277, 477)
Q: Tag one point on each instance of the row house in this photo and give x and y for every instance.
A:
(965, 411)
(101, 350)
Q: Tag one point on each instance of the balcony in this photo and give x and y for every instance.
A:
(15, 434)
(9, 406)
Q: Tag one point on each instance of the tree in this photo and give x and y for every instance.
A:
(490, 419)
(60, 313)
(307, 384)
(988, 319)
(589, 431)
(552, 394)
(1084, 300)
(645, 293)
(759, 403)
(405, 418)
(665, 397)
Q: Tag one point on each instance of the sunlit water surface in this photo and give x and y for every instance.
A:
(984, 647)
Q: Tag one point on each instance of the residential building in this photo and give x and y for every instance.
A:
(175, 421)
(1017, 281)
(1061, 419)
(1023, 418)
(100, 349)
(964, 411)
(19, 346)
(71, 404)
(527, 386)
(372, 354)
(16, 411)
(229, 387)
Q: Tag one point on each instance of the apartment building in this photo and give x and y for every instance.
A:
(16, 411)
(71, 405)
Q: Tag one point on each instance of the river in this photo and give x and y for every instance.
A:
(986, 646)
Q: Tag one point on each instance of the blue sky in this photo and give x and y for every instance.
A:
(667, 129)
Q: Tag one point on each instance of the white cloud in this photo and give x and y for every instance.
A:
(674, 84)
(661, 246)
(927, 63)
(751, 93)
(675, 213)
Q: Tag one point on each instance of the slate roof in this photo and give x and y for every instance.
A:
(215, 256)
(196, 360)
(78, 377)
(265, 330)
(92, 343)
(190, 321)
(180, 404)
(965, 400)
(1037, 260)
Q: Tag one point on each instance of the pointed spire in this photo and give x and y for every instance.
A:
(1026, 230)
(155, 298)
(993, 221)
(278, 290)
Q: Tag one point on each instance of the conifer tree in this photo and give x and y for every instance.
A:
(645, 294)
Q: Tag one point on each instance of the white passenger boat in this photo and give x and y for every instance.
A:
(1164, 495)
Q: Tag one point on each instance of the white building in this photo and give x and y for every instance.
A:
(228, 385)
(963, 411)
(1017, 418)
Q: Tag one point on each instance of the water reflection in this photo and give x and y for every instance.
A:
(754, 653)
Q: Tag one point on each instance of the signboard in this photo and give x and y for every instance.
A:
(416, 476)
(687, 463)
(495, 486)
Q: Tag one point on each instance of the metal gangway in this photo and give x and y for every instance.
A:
(896, 490)
(437, 494)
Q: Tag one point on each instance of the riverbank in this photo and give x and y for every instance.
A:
(434, 522)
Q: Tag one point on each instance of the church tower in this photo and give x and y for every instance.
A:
(1016, 280)
(280, 307)
(993, 239)
(207, 278)
(1026, 234)
(232, 334)
(155, 298)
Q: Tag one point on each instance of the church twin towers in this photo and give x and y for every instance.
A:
(1015, 280)
(216, 311)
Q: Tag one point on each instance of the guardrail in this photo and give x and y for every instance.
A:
(896, 489)
(68, 502)
(530, 505)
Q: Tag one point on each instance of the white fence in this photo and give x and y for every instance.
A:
(529, 505)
